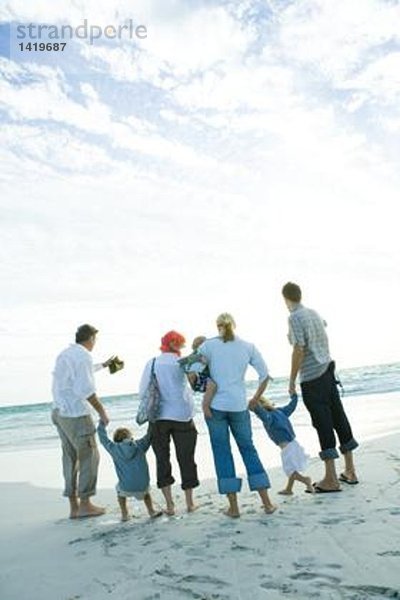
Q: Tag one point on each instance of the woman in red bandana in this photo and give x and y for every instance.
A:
(175, 421)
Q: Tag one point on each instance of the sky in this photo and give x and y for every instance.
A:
(150, 184)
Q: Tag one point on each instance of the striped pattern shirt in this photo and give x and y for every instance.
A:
(307, 330)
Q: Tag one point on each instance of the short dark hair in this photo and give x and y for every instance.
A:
(291, 291)
(84, 333)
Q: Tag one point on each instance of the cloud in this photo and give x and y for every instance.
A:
(378, 81)
(336, 36)
(239, 146)
(48, 99)
(66, 11)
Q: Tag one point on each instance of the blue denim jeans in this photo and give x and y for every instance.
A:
(219, 427)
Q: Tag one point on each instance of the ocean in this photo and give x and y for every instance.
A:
(29, 426)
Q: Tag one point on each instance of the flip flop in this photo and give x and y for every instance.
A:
(345, 479)
(157, 514)
(320, 490)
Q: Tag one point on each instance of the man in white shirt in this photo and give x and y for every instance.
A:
(74, 393)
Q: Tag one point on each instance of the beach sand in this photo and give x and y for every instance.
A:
(333, 546)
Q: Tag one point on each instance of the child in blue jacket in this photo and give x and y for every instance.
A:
(129, 457)
(279, 428)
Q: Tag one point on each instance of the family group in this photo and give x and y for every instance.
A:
(217, 368)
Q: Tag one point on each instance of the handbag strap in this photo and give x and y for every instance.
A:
(153, 372)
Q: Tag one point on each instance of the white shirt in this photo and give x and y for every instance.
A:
(177, 399)
(228, 362)
(73, 381)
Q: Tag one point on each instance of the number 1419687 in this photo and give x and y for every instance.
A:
(42, 46)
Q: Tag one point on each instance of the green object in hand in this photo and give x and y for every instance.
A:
(116, 365)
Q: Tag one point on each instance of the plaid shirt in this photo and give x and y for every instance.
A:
(307, 330)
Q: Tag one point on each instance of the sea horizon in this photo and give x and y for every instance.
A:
(30, 426)
(346, 375)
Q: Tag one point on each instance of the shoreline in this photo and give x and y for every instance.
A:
(372, 416)
(336, 546)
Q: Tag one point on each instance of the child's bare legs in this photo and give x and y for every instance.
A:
(211, 388)
(167, 493)
(124, 509)
(150, 508)
(267, 504)
(296, 477)
(288, 490)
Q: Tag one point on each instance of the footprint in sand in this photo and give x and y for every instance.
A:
(309, 563)
(203, 579)
(166, 571)
(374, 591)
(389, 553)
(334, 521)
(76, 541)
(333, 566)
(310, 576)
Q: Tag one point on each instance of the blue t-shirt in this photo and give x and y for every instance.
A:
(228, 363)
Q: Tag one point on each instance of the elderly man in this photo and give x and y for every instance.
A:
(311, 358)
(74, 394)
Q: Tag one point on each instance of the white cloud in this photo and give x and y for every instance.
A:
(181, 46)
(46, 99)
(97, 11)
(185, 177)
(333, 36)
(199, 40)
(379, 80)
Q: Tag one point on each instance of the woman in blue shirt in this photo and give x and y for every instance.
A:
(228, 357)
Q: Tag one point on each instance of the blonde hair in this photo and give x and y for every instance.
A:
(228, 323)
(266, 403)
(121, 434)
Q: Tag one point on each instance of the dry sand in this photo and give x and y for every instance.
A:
(335, 546)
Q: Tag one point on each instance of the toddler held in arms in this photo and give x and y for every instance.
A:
(129, 457)
(198, 375)
(279, 428)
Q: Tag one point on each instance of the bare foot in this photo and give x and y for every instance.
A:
(192, 507)
(286, 492)
(170, 510)
(309, 485)
(232, 514)
(87, 509)
(271, 508)
(74, 507)
(125, 517)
